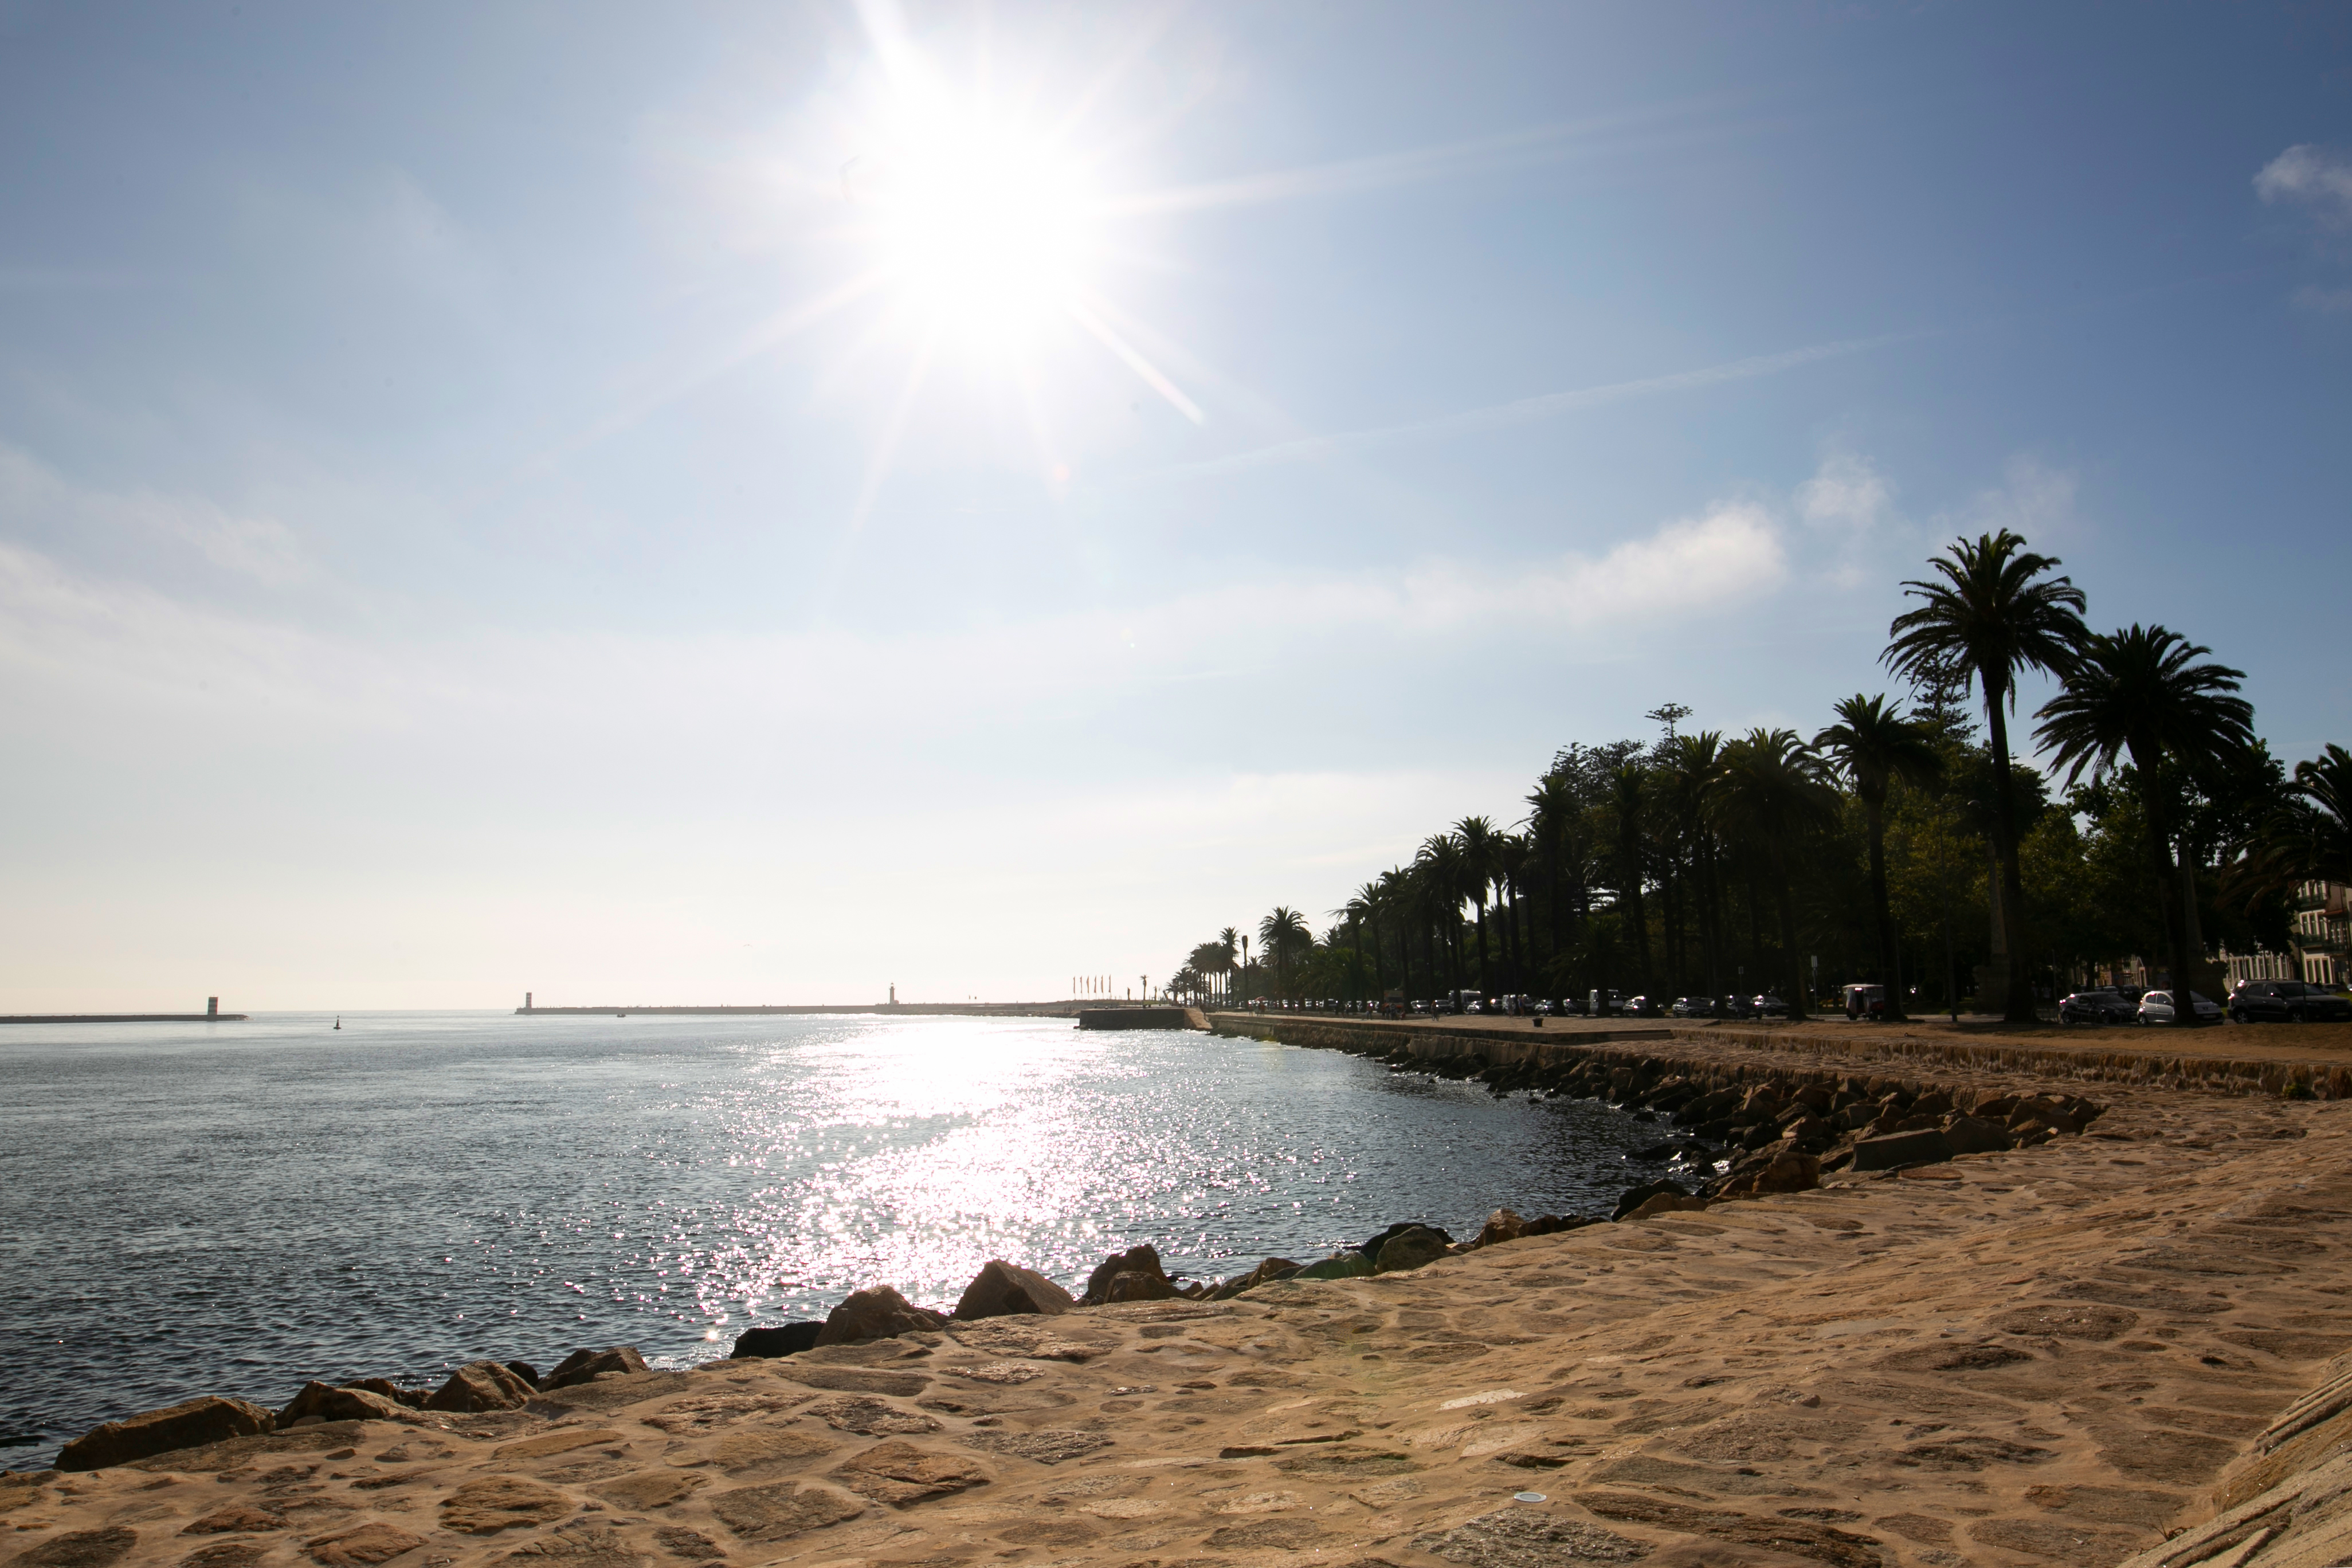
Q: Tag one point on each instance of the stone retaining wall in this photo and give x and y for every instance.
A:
(1810, 1053)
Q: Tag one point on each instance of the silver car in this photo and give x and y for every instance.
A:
(2157, 1007)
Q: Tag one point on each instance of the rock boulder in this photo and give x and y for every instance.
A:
(1787, 1169)
(1502, 1226)
(1894, 1151)
(877, 1312)
(1413, 1248)
(782, 1339)
(1635, 1197)
(1144, 1260)
(586, 1366)
(1002, 1289)
(480, 1385)
(183, 1425)
(328, 1402)
(1974, 1135)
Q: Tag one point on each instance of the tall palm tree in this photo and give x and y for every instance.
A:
(1692, 762)
(2309, 838)
(1282, 933)
(1551, 826)
(1874, 744)
(1229, 949)
(1628, 796)
(1475, 836)
(1364, 910)
(1992, 613)
(1438, 869)
(1771, 793)
(2140, 693)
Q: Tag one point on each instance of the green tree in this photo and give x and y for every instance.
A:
(1772, 794)
(1475, 838)
(1874, 745)
(1283, 937)
(1992, 613)
(2140, 693)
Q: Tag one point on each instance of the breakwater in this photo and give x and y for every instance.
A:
(2230, 1064)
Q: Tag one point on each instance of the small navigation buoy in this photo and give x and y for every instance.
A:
(338, 1023)
(1528, 1497)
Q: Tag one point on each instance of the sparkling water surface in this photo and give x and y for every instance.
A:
(235, 1208)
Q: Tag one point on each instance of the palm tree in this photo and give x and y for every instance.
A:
(2309, 838)
(1228, 951)
(1628, 798)
(1364, 910)
(1551, 825)
(2140, 693)
(1438, 872)
(1991, 614)
(1283, 932)
(1874, 745)
(1691, 763)
(1770, 793)
(1475, 836)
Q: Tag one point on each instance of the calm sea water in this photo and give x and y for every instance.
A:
(233, 1208)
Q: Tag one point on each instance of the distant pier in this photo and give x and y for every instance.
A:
(211, 1014)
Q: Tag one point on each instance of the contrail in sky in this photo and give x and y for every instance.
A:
(1522, 411)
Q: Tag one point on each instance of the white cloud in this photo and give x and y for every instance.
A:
(2034, 499)
(36, 500)
(2316, 175)
(1845, 492)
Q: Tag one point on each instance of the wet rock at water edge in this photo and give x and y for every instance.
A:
(187, 1425)
(1266, 1273)
(1502, 1225)
(1413, 1248)
(781, 1339)
(1635, 1197)
(1134, 1274)
(1006, 1289)
(586, 1366)
(877, 1312)
(480, 1385)
(1372, 1248)
(328, 1402)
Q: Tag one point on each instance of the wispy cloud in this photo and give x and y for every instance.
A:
(37, 500)
(1510, 150)
(1522, 411)
(2315, 176)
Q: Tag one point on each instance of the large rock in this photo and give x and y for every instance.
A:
(1002, 1289)
(1137, 1285)
(1974, 1135)
(1371, 1248)
(1266, 1273)
(480, 1385)
(784, 1339)
(183, 1425)
(411, 1397)
(1787, 1169)
(1553, 1224)
(586, 1366)
(1666, 1203)
(1502, 1225)
(328, 1402)
(1635, 1197)
(1347, 1265)
(1413, 1248)
(877, 1312)
(1893, 1152)
(1142, 1259)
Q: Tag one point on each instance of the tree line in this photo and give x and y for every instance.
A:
(1903, 845)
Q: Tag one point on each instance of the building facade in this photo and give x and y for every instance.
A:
(2322, 934)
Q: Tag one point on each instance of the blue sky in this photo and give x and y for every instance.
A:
(760, 503)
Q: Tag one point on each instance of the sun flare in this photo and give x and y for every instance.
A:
(983, 229)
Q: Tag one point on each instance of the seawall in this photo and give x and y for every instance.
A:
(2243, 1059)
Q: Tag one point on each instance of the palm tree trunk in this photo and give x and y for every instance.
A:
(1480, 903)
(1889, 968)
(1800, 1002)
(2019, 1006)
(2168, 888)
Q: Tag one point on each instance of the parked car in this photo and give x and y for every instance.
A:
(2157, 1007)
(2287, 1002)
(1767, 1005)
(1606, 1005)
(1694, 1007)
(2098, 1005)
(1863, 1001)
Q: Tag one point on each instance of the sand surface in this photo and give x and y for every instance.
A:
(2049, 1355)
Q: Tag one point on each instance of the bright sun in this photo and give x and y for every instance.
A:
(984, 229)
